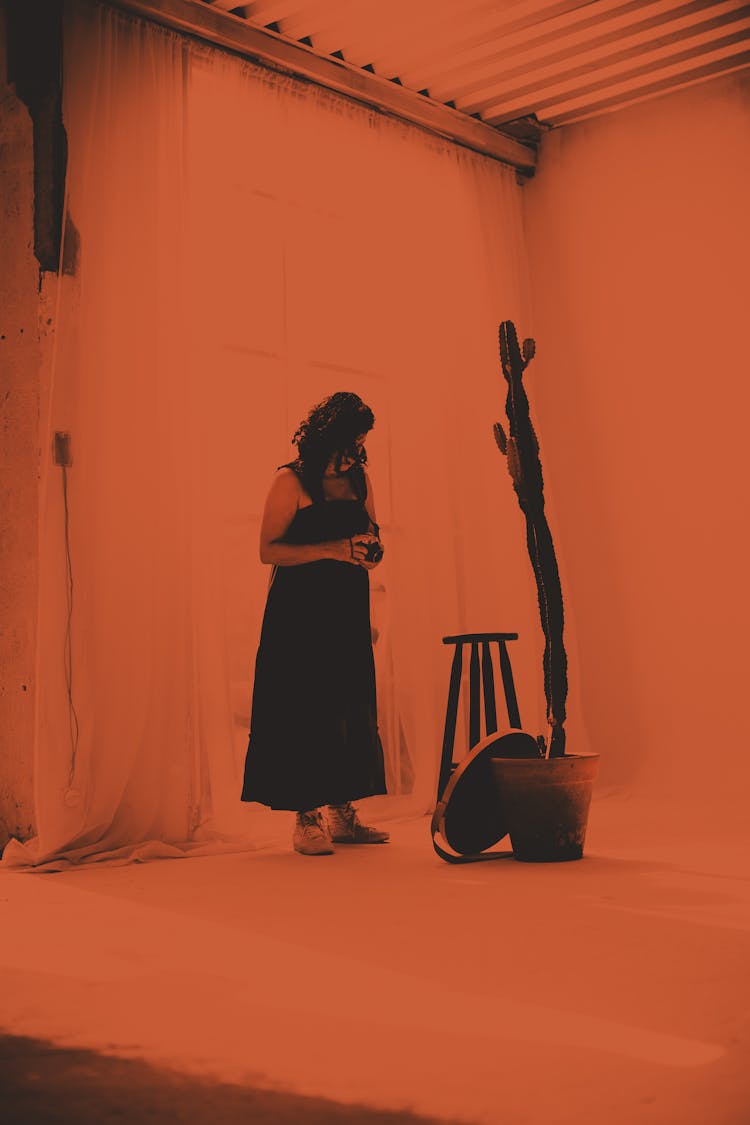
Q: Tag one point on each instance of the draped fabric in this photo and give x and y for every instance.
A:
(238, 245)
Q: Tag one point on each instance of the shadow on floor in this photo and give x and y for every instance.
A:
(44, 1084)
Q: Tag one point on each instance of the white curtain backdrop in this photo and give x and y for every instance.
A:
(246, 244)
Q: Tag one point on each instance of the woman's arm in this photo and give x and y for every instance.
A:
(370, 509)
(281, 506)
(370, 499)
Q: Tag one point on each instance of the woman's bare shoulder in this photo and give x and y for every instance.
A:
(286, 482)
(286, 472)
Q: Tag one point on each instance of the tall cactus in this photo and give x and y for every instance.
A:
(521, 450)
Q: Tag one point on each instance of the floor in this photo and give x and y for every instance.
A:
(382, 985)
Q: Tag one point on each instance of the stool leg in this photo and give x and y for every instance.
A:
(474, 714)
(488, 684)
(451, 714)
(511, 701)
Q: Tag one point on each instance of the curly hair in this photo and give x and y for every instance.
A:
(330, 430)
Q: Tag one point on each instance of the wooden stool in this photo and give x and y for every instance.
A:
(447, 765)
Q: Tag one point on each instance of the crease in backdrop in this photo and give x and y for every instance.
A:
(248, 243)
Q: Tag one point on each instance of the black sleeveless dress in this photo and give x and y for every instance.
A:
(313, 729)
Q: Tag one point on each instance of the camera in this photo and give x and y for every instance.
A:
(374, 552)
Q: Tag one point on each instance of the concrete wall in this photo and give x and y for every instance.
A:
(639, 241)
(20, 360)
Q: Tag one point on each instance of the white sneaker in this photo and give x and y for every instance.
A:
(345, 827)
(310, 835)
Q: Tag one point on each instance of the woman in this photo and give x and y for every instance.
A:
(313, 731)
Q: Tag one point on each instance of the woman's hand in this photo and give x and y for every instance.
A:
(366, 541)
(354, 550)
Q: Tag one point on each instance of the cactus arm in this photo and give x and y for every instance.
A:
(500, 438)
(524, 465)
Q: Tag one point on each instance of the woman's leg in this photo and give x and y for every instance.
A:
(346, 828)
(310, 835)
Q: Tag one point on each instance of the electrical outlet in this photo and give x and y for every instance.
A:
(61, 449)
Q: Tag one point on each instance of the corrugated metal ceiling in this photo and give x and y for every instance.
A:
(519, 64)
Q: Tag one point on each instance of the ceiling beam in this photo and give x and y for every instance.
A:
(440, 43)
(481, 64)
(568, 113)
(584, 81)
(615, 43)
(276, 51)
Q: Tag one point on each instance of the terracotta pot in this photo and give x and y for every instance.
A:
(545, 804)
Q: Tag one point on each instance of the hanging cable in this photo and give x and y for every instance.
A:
(72, 715)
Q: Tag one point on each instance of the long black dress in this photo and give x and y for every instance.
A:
(313, 729)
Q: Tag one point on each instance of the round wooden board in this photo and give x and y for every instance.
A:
(470, 812)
